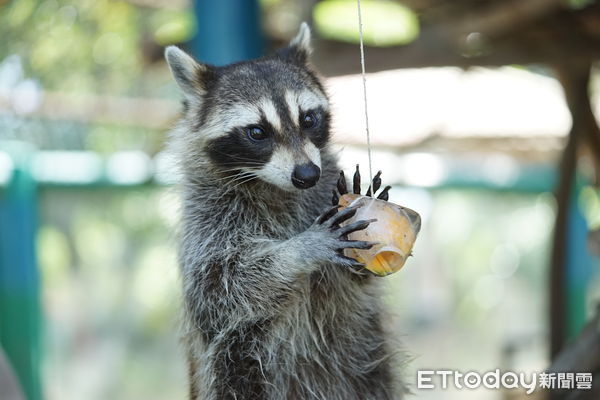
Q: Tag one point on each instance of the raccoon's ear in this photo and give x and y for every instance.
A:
(300, 47)
(190, 75)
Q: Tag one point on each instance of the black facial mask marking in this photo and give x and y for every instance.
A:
(237, 150)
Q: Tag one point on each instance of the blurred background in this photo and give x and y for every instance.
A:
(482, 119)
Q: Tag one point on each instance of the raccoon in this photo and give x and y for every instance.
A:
(272, 307)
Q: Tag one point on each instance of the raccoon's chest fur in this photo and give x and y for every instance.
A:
(331, 345)
(326, 343)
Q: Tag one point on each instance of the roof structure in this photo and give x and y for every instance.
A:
(483, 32)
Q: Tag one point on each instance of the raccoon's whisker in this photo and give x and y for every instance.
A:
(234, 167)
(244, 179)
(240, 177)
(248, 179)
(227, 188)
(220, 180)
(226, 182)
(237, 158)
(248, 161)
(233, 182)
(239, 170)
(233, 177)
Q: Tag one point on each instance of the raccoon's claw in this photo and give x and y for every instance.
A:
(332, 238)
(327, 214)
(341, 184)
(347, 261)
(332, 219)
(358, 244)
(335, 199)
(373, 188)
(342, 216)
(356, 181)
(384, 194)
(355, 226)
(376, 184)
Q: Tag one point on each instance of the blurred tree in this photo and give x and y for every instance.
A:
(87, 46)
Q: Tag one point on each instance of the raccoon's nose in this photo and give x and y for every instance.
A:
(305, 175)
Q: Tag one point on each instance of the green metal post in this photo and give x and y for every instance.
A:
(19, 279)
(228, 31)
(579, 266)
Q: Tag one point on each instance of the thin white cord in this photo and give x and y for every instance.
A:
(364, 80)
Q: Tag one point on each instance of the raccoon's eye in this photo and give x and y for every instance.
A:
(256, 133)
(308, 120)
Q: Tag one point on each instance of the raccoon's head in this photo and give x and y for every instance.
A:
(266, 118)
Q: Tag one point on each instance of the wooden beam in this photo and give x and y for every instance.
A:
(500, 17)
(563, 34)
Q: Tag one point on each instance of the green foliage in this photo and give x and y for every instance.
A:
(171, 26)
(87, 45)
(578, 4)
(81, 47)
(385, 23)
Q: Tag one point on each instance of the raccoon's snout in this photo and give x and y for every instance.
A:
(306, 175)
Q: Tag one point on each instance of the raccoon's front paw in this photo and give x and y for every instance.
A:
(330, 239)
(342, 188)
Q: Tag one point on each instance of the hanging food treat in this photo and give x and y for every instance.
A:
(394, 231)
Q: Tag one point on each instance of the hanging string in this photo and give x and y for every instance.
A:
(364, 81)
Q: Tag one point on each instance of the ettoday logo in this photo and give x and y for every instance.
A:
(429, 379)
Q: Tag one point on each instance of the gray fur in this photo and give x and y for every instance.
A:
(271, 309)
